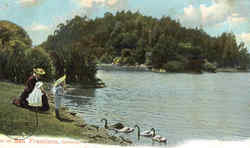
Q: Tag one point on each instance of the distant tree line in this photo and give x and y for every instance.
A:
(78, 45)
(130, 36)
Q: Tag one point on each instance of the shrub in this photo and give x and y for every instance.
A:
(182, 59)
(106, 58)
(130, 61)
(38, 57)
(209, 67)
(3, 61)
(14, 67)
(174, 66)
(117, 60)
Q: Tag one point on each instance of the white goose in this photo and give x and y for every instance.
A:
(124, 130)
(145, 133)
(118, 127)
(158, 138)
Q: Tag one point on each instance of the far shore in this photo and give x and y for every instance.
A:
(115, 67)
(232, 70)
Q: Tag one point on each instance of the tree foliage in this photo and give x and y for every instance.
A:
(131, 35)
(17, 57)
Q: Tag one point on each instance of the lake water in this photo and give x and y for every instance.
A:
(181, 107)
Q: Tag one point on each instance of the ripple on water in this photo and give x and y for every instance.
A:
(181, 107)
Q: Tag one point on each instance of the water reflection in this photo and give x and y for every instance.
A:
(82, 92)
(80, 100)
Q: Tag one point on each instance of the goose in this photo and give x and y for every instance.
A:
(124, 130)
(114, 126)
(118, 127)
(145, 133)
(158, 138)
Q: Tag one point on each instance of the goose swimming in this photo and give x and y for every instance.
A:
(118, 127)
(144, 133)
(125, 130)
(158, 138)
(114, 126)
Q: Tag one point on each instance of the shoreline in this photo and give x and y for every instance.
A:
(144, 68)
(110, 67)
(231, 70)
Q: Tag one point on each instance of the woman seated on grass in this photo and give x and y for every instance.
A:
(30, 84)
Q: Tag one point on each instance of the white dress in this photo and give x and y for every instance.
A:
(35, 97)
(58, 94)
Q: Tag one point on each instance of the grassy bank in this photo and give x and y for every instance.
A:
(16, 121)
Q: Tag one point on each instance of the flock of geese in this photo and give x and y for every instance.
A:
(120, 128)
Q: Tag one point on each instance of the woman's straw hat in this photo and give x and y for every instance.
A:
(38, 71)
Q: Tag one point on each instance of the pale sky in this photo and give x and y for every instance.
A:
(40, 17)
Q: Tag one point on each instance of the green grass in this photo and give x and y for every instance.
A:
(15, 120)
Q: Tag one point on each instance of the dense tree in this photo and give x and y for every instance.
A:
(131, 35)
(77, 45)
(17, 57)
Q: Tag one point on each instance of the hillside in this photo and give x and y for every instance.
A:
(128, 38)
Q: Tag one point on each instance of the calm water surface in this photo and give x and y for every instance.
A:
(181, 107)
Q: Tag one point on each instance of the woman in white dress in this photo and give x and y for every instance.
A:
(33, 91)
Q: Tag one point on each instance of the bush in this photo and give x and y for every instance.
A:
(106, 58)
(174, 66)
(182, 59)
(3, 61)
(117, 60)
(17, 64)
(39, 58)
(14, 69)
(209, 67)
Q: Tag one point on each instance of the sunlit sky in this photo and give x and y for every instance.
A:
(40, 17)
